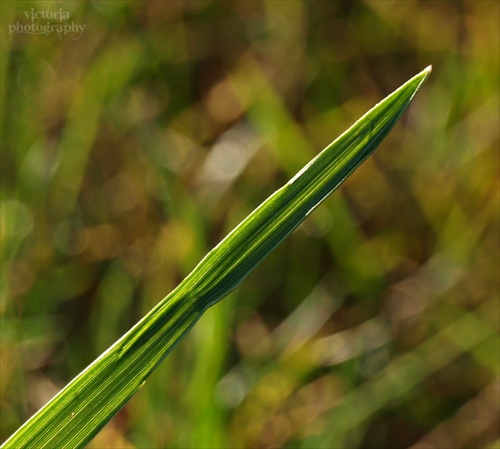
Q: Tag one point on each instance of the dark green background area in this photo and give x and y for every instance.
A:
(131, 149)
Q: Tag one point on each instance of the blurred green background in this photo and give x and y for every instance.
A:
(130, 149)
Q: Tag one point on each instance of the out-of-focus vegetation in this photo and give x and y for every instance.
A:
(80, 410)
(129, 150)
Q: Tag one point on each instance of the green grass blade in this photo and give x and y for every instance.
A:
(84, 406)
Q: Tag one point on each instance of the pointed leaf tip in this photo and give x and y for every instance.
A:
(425, 73)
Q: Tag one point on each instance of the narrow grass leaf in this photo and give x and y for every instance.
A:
(90, 400)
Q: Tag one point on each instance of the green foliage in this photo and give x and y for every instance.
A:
(82, 408)
(129, 151)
